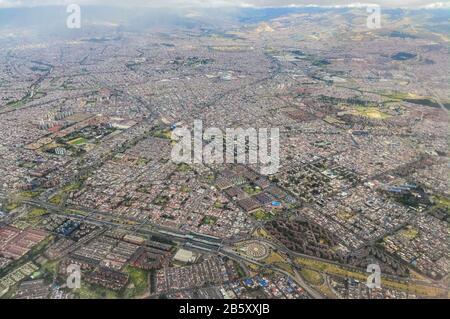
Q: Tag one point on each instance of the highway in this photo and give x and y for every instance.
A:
(199, 242)
(102, 219)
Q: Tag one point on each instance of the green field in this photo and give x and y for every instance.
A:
(139, 282)
(56, 199)
(72, 187)
(34, 216)
(262, 215)
(165, 134)
(30, 194)
(311, 276)
(371, 112)
(161, 200)
(209, 220)
(442, 202)
(251, 190)
(11, 206)
(88, 291)
(183, 167)
(78, 141)
(218, 205)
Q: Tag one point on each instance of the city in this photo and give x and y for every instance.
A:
(94, 206)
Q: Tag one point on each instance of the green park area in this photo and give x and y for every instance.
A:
(33, 217)
(311, 276)
(78, 141)
(262, 215)
(209, 220)
(183, 167)
(442, 202)
(371, 112)
(139, 282)
(72, 187)
(416, 99)
(138, 287)
(251, 190)
(30, 194)
(219, 205)
(161, 200)
(409, 232)
(56, 199)
(329, 268)
(89, 291)
(165, 134)
(10, 206)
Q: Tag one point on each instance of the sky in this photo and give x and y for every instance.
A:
(218, 3)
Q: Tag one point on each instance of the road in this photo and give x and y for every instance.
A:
(101, 219)
(229, 252)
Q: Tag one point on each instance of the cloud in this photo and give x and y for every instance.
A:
(221, 3)
(437, 5)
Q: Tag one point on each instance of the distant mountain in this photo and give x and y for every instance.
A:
(52, 19)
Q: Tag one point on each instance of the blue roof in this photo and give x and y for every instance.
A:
(248, 282)
(274, 203)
